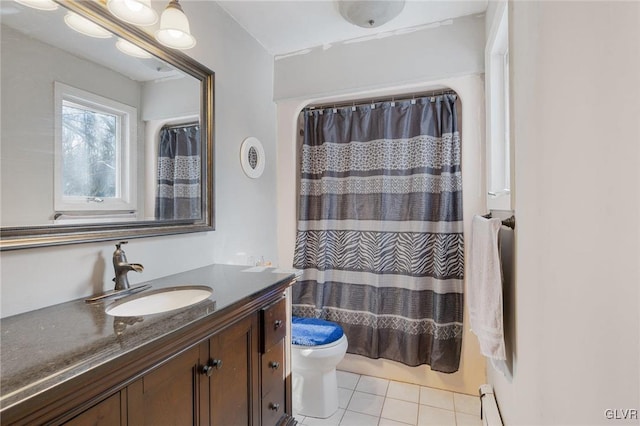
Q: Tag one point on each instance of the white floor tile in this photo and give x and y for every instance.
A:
(467, 404)
(366, 403)
(436, 398)
(432, 416)
(351, 418)
(403, 391)
(463, 419)
(388, 422)
(347, 380)
(381, 402)
(329, 421)
(401, 411)
(344, 396)
(373, 385)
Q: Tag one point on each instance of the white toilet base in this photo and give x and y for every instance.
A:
(315, 394)
(314, 380)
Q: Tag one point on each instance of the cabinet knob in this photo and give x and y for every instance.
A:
(208, 369)
(273, 406)
(274, 364)
(277, 324)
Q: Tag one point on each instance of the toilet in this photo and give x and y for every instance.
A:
(317, 346)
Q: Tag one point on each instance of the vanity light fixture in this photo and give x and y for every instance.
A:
(131, 49)
(39, 4)
(137, 12)
(174, 28)
(85, 26)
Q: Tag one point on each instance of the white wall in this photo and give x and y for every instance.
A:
(575, 75)
(419, 59)
(452, 49)
(28, 143)
(168, 99)
(245, 208)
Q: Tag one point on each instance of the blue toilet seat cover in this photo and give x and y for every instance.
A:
(314, 331)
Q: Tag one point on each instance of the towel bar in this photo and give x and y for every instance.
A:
(509, 223)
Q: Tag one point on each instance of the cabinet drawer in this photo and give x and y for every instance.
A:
(272, 367)
(273, 405)
(274, 324)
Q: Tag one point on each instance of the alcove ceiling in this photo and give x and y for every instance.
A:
(285, 27)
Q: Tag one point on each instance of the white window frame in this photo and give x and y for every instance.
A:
(126, 192)
(498, 155)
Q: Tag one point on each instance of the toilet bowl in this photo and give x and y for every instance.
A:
(317, 348)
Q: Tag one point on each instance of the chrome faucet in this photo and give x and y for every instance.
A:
(121, 267)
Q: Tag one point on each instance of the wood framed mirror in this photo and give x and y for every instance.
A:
(61, 188)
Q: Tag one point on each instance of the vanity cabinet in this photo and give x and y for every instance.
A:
(169, 394)
(212, 383)
(109, 412)
(226, 370)
(274, 329)
(232, 369)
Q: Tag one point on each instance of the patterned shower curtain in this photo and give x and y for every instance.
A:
(178, 193)
(379, 234)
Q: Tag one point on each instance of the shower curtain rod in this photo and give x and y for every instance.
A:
(396, 98)
(181, 126)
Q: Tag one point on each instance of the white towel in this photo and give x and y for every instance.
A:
(485, 287)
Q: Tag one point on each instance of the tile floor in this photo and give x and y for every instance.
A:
(365, 400)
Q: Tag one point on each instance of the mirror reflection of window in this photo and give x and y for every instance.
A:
(89, 152)
(94, 152)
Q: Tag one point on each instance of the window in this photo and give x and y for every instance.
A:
(95, 152)
(497, 93)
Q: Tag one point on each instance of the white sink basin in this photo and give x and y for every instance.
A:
(158, 301)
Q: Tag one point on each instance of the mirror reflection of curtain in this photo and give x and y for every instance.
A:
(178, 194)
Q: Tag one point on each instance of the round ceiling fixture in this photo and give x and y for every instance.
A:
(370, 13)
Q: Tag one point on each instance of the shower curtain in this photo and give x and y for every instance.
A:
(379, 235)
(178, 194)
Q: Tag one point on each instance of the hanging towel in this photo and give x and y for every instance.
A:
(485, 287)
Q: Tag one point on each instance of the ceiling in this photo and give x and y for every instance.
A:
(284, 27)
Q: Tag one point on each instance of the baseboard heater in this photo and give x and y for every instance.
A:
(489, 412)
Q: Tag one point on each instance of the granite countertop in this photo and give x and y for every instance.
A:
(43, 348)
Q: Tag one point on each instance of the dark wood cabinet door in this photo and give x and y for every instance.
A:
(234, 381)
(109, 412)
(169, 394)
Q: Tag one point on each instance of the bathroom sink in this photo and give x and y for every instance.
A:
(158, 301)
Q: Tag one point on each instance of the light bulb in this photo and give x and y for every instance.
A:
(133, 5)
(174, 28)
(85, 26)
(131, 49)
(136, 12)
(39, 4)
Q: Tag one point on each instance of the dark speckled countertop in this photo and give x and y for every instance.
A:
(43, 348)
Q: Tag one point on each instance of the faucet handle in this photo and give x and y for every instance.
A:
(120, 243)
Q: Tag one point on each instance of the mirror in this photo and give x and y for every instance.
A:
(92, 138)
